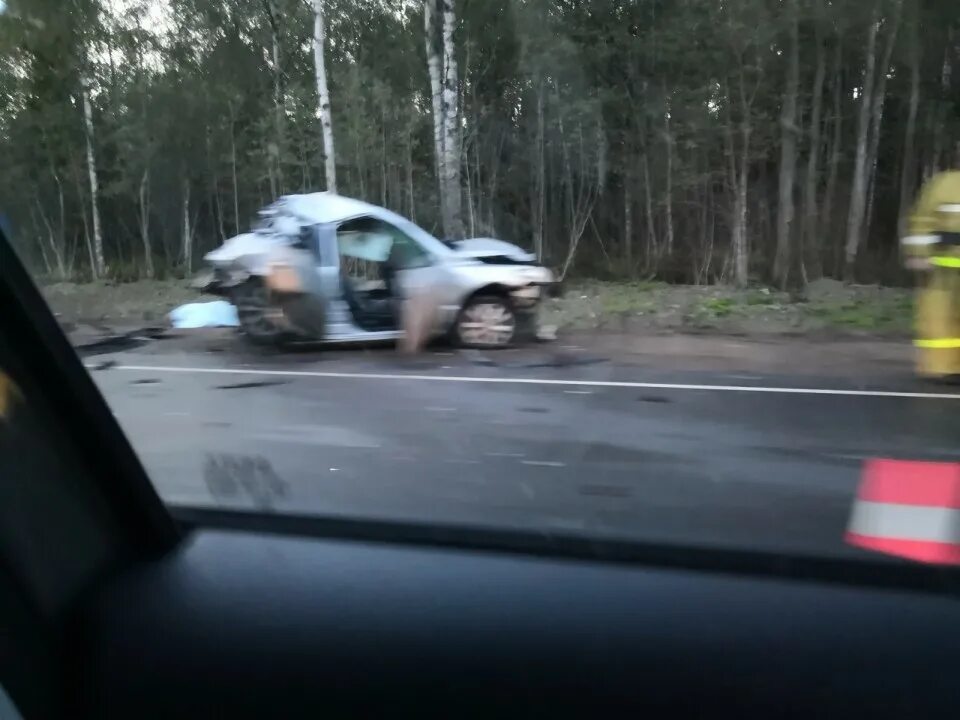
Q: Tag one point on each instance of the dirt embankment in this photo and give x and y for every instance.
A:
(827, 308)
(833, 328)
(107, 303)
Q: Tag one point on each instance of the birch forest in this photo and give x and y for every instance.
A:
(691, 141)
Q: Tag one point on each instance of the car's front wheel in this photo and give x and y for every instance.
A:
(486, 321)
(257, 314)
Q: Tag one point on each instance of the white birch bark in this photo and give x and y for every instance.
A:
(99, 267)
(434, 70)
(323, 94)
(453, 220)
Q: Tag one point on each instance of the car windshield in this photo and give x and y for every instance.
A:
(711, 294)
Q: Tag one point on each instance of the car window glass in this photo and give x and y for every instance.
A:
(366, 245)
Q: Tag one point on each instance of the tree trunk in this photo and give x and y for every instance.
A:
(453, 218)
(276, 148)
(651, 244)
(99, 267)
(144, 200)
(471, 208)
(810, 250)
(628, 224)
(826, 216)
(434, 70)
(323, 94)
(668, 134)
(908, 167)
(741, 248)
(858, 193)
(942, 106)
(410, 193)
(876, 111)
(788, 156)
(59, 246)
(233, 170)
(187, 238)
(541, 181)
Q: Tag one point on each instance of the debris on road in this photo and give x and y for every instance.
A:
(217, 313)
(557, 359)
(112, 343)
(255, 384)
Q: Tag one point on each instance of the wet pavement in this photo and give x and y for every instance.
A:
(555, 438)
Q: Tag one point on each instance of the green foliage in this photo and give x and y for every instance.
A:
(608, 125)
(718, 307)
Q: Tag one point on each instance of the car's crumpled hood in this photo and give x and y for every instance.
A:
(491, 249)
(250, 251)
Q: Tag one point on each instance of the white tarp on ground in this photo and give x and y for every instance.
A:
(218, 313)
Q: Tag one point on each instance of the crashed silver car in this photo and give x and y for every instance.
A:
(325, 267)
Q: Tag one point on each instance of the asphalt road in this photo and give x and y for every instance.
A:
(548, 439)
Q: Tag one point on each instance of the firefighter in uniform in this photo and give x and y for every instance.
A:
(932, 247)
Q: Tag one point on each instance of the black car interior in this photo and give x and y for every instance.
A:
(373, 306)
(115, 606)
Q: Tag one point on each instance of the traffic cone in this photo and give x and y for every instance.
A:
(910, 509)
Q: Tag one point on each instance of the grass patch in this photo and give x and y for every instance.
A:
(760, 298)
(866, 314)
(625, 298)
(718, 307)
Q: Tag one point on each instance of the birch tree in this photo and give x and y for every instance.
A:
(127, 142)
(323, 94)
(99, 266)
(445, 90)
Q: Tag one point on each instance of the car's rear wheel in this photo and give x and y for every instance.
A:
(486, 321)
(256, 313)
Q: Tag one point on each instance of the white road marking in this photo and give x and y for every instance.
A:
(541, 381)
(579, 392)
(543, 463)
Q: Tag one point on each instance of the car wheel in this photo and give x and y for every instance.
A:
(252, 300)
(486, 321)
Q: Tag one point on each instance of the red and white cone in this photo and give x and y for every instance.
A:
(909, 509)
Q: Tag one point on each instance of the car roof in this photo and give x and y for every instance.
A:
(326, 207)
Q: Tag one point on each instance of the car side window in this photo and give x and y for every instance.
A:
(366, 243)
(408, 253)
